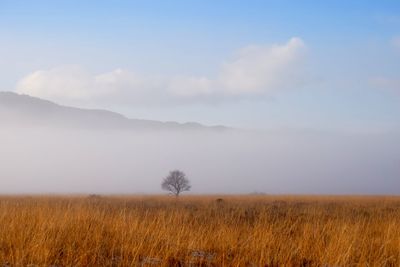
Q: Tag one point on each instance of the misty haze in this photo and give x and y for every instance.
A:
(199, 133)
(48, 148)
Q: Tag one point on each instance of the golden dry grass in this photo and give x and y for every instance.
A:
(199, 231)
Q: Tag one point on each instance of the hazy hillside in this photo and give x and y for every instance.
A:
(24, 110)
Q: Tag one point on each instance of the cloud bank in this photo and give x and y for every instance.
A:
(254, 71)
(55, 160)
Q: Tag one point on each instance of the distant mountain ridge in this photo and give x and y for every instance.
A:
(24, 110)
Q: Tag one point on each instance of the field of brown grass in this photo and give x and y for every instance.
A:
(199, 231)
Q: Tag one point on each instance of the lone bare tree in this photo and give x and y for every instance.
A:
(176, 182)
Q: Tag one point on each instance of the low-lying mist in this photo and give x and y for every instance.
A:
(56, 160)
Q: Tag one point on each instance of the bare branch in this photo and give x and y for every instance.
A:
(176, 182)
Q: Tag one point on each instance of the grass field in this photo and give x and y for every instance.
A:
(199, 231)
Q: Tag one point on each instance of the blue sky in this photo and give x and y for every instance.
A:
(325, 65)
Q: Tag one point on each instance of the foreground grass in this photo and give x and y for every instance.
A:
(200, 231)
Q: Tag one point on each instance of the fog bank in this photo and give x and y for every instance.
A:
(54, 160)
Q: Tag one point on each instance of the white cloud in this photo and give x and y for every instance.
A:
(190, 86)
(67, 82)
(259, 69)
(256, 70)
(73, 85)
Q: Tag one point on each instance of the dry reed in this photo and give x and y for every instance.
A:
(199, 231)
